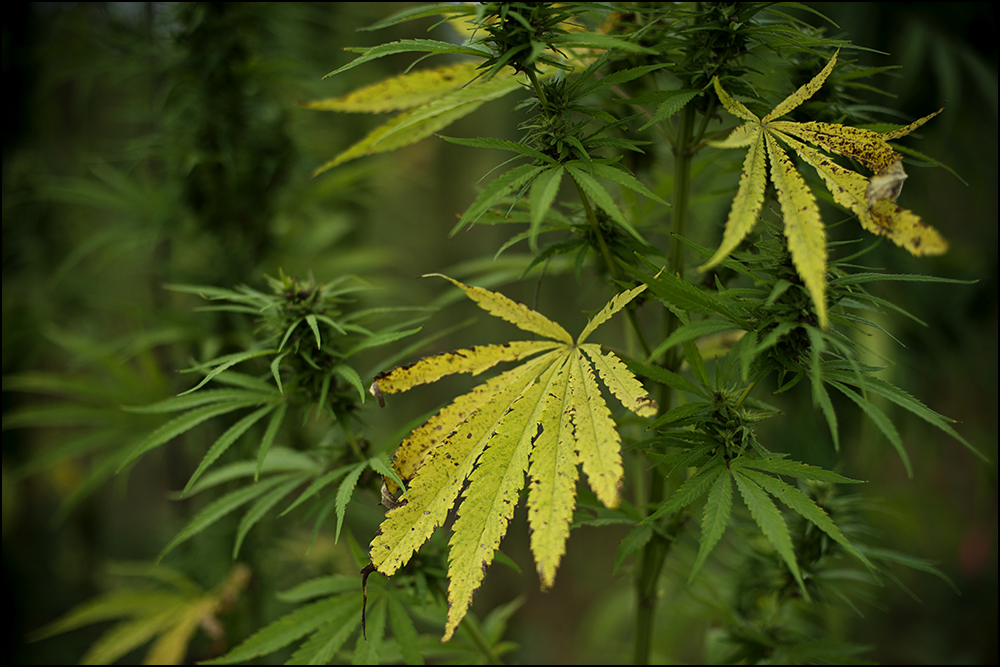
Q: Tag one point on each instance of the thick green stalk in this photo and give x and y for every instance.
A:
(656, 550)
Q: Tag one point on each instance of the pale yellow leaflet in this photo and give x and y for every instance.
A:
(516, 313)
(474, 360)
(402, 92)
(617, 302)
(597, 442)
(803, 228)
(414, 449)
(734, 106)
(747, 203)
(553, 481)
(743, 136)
(803, 93)
(903, 131)
(620, 381)
(905, 229)
(847, 187)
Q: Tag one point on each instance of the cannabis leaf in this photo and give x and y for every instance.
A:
(545, 417)
(171, 613)
(872, 199)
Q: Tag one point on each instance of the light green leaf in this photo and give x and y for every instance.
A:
(674, 101)
(272, 431)
(502, 145)
(714, 519)
(626, 180)
(219, 509)
(796, 469)
(182, 424)
(543, 193)
(766, 515)
(323, 645)
(410, 46)
(498, 188)
(692, 489)
(225, 440)
(688, 332)
(404, 632)
(287, 629)
(804, 505)
(880, 419)
(596, 191)
(263, 505)
(344, 494)
(319, 587)
(178, 403)
(599, 41)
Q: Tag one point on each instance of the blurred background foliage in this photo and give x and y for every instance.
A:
(148, 144)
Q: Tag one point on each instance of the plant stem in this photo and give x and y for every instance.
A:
(656, 550)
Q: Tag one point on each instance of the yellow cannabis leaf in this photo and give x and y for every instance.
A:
(872, 199)
(544, 417)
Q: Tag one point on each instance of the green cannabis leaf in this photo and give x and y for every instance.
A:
(872, 199)
(545, 417)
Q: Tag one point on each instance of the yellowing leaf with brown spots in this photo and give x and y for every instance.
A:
(546, 417)
(871, 198)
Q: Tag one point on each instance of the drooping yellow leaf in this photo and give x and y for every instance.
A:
(873, 201)
(747, 203)
(401, 92)
(547, 416)
(516, 313)
(803, 227)
(491, 497)
(171, 647)
(905, 229)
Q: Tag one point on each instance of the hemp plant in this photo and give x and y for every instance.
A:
(621, 107)
(789, 321)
